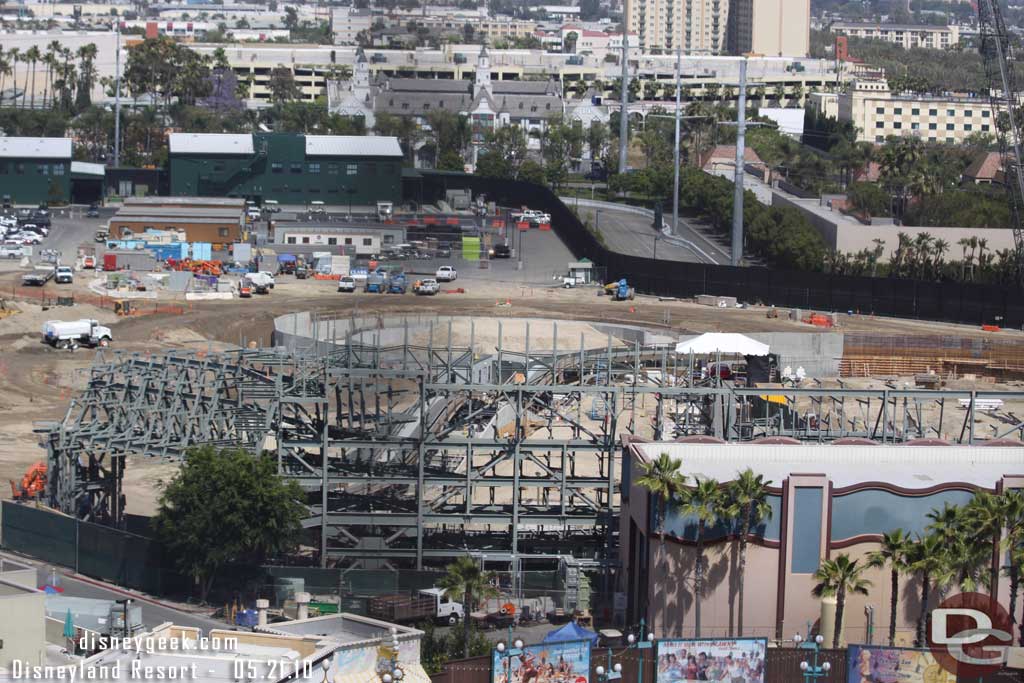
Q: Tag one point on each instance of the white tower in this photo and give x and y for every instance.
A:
(483, 73)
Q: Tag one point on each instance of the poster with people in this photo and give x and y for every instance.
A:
(730, 660)
(567, 662)
(870, 664)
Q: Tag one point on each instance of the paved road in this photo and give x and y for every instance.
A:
(629, 230)
(152, 614)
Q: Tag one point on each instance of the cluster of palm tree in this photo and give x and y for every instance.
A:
(743, 503)
(466, 582)
(70, 74)
(954, 554)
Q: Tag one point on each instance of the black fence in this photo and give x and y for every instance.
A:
(949, 302)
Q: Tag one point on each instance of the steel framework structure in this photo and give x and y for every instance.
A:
(413, 454)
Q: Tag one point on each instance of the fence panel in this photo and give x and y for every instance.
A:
(39, 533)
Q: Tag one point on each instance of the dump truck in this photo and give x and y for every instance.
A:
(66, 334)
(426, 605)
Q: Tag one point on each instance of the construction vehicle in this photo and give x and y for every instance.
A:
(32, 484)
(397, 284)
(69, 334)
(427, 604)
(385, 211)
(376, 283)
(620, 291)
(261, 282)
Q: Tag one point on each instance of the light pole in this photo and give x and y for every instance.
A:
(389, 670)
(507, 653)
(657, 236)
(812, 670)
(641, 644)
(614, 672)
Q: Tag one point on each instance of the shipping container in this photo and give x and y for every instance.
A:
(110, 262)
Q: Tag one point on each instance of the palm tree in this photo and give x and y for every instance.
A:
(466, 582)
(876, 254)
(963, 243)
(665, 482)
(1013, 509)
(927, 560)
(895, 552)
(939, 249)
(5, 70)
(985, 516)
(840, 577)
(703, 502)
(15, 55)
(747, 499)
(32, 56)
(945, 522)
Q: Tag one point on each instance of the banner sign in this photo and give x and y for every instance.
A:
(736, 660)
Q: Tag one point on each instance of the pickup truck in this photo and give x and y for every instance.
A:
(64, 275)
(427, 286)
(38, 277)
(347, 284)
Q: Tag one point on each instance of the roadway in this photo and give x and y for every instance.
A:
(154, 612)
(629, 230)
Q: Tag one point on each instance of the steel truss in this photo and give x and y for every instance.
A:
(413, 454)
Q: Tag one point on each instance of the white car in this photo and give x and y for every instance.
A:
(28, 237)
(446, 274)
(11, 251)
(534, 215)
(347, 284)
(269, 276)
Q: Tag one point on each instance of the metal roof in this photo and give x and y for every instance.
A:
(35, 148)
(163, 219)
(179, 212)
(185, 201)
(85, 168)
(911, 467)
(210, 143)
(352, 146)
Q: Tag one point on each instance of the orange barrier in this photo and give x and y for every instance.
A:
(452, 221)
(430, 220)
(523, 225)
(990, 328)
(497, 223)
(321, 276)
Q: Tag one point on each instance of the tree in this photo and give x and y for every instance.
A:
(282, 85)
(704, 503)
(226, 507)
(597, 140)
(896, 553)
(839, 578)
(87, 70)
(467, 583)
(503, 153)
(927, 561)
(747, 498)
(32, 56)
(1013, 544)
(664, 482)
(291, 18)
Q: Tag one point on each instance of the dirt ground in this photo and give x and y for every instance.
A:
(37, 382)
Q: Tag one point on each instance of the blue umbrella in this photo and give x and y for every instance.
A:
(69, 626)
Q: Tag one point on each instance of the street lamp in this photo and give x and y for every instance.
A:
(641, 643)
(614, 673)
(507, 653)
(812, 670)
(390, 671)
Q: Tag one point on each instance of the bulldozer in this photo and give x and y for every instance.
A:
(32, 485)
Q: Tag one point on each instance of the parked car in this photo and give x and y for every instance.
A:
(427, 286)
(93, 212)
(101, 236)
(534, 215)
(501, 251)
(65, 276)
(446, 274)
(347, 284)
(11, 251)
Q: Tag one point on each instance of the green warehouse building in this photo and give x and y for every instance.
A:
(34, 170)
(287, 168)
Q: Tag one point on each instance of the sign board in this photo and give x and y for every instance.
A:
(737, 660)
(867, 663)
(565, 662)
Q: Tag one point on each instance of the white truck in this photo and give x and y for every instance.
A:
(385, 211)
(429, 604)
(69, 334)
(65, 275)
(261, 282)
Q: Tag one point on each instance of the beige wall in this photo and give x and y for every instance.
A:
(781, 28)
(23, 626)
(707, 20)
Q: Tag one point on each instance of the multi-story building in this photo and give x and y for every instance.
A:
(348, 22)
(904, 35)
(878, 113)
(500, 29)
(770, 27)
(698, 26)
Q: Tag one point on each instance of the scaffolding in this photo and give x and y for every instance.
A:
(410, 455)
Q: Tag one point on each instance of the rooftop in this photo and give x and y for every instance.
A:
(35, 148)
(185, 201)
(910, 467)
(889, 27)
(210, 143)
(353, 146)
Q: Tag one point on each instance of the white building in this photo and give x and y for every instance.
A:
(348, 22)
(905, 35)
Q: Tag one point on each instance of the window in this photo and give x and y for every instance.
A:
(950, 141)
(915, 126)
(389, 239)
(296, 169)
(58, 169)
(897, 125)
(950, 126)
(19, 168)
(276, 168)
(313, 168)
(879, 138)
(351, 169)
(305, 240)
(950, 112)
(968, 127)
(968, 113)
(3, 168)
(218, 166)
(332, 169)
(367, 241)
(222, 232)
(291, 239)
(332, 240)
(933, 112)
(370, 169)
(43, 169)
(915, 112)
(897, 111)
(933, 126)
(984, 129)
(985, 114)
(348, 240)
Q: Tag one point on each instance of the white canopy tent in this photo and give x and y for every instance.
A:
(722, 342)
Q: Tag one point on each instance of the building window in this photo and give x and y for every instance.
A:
(915, 126)
(968, 113)
(348, 240)
(19, 168)
(332, 240)
(389, 239)
(291, 239)
(898, 111)
(897, 125)
(305, 240)
(43, 169)
(985, 114)
(332, 169)
(218, 166)
(352, 169)
(984, 129)
(915, 112)
(879, 138)
(3, 168)
(222, 232)
(314, 168)
(58, 169)
(968, 127)
(370, 169)
(933, 112)
(367, 241)
(933, 126)
(950, 112)
(296, 169)
(276, 168)
(879, 124)
(950, 126)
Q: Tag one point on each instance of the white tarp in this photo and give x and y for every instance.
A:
(723, 342)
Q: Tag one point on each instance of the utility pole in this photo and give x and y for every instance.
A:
(675, 165)
(117, 95)
(624, 115)
(737, 202)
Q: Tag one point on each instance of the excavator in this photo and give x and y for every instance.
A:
(32, 485)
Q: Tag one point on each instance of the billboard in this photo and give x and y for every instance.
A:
(870, 664)
(566, 662)
(737, 660)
